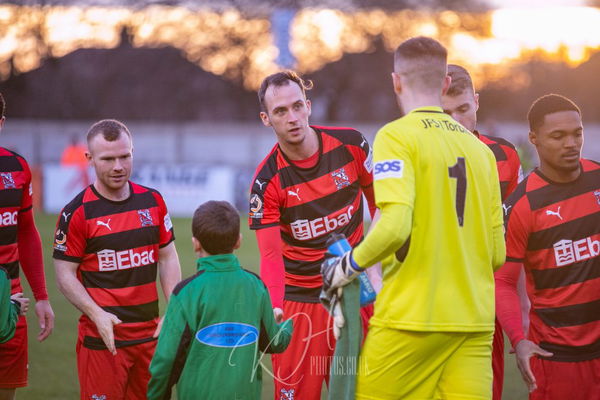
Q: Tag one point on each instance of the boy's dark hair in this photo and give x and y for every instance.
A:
(110, 129)
(548, 104)
(281, 79)
(216, 225)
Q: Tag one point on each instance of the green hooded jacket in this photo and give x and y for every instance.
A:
(217, 324)
(9, 310)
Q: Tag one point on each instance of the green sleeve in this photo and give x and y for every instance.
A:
(273, 337)
(9, 312)
(171, 352)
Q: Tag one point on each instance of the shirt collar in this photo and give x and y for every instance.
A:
(219, 262)
(428, 109)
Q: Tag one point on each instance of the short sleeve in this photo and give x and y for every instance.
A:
(364, 157)
(70, 235)
(264, 204)
(167, 232)
(393, 169)
(517, 226)
(26, 199)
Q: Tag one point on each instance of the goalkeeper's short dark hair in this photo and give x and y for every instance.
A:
(216, 225)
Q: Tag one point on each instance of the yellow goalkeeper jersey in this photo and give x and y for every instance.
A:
(441, 279)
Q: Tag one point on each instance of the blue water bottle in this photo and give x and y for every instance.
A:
(338, 245)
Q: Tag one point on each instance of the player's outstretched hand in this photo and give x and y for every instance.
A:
(22, 300)
(45, 317)
(278, 315)
(338, 272)
(105, 322)
(526, 349)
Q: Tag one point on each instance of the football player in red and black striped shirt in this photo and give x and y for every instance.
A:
(461, 103)
(310, 185)
(111, 241)
(20, 245)
(553, 228)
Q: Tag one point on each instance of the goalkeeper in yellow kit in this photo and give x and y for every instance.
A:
(440, 238)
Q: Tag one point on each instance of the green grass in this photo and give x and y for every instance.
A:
(52, 365)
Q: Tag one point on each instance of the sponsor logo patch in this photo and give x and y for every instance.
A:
(388, 169)
(167, 222)
(256, 207)
(8, 218)
(60, 238)
(110, 260)
(304, 229)
(227, 334)
(568, 252)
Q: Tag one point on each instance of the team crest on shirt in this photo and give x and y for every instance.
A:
(287, 394)
(340, 178)
(98, 397)
(597, 194)
(60, 238)
(145, 217)
(7, 180)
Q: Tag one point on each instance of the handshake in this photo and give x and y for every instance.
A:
(337, 270)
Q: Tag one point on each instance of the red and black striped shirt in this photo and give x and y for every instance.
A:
(308, 204)
(554, 229)
(507, 161)
(15, 198)
(116, 245)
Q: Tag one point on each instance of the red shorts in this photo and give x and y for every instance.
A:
(121, 377)
(498, 361)
(13, 358)
(566, 380)
(300, 370)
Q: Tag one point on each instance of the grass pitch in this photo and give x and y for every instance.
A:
(52, 365)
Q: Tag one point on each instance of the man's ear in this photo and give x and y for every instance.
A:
(196, 244)
(533, 138)
(446, 84)
(396, 83)
(476, 101)
(265, 118)
(238, 243)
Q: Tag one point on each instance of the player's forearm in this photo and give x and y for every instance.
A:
(73, 290)
(272, 269)
(30, 255)
(508, 308)
(169, 269)
(387, 236)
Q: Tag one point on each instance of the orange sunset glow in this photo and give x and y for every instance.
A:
(220, 42)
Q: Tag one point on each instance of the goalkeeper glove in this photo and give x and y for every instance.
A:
(339, 271)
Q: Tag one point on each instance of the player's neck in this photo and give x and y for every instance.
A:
(112, 194)
(411, 101)
(559, 176)
(303, 150)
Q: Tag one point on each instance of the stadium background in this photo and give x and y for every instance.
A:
(183, 74)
